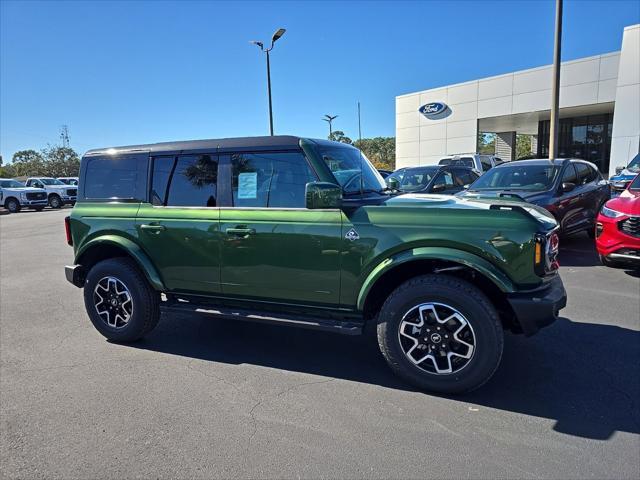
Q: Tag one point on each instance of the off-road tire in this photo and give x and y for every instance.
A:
(55, 201)
(471, 303)
(146, 301)
(12, 205)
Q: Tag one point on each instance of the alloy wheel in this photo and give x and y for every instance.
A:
(437, 338)
(112, 301)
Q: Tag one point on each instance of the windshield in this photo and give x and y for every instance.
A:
(68, 181)
(415, 179)
(51, 181)
(518, 177)
(11, 184)
(635, 185)
(346, 163)
(634, 165)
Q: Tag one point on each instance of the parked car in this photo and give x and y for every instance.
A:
(58, 193)
(14, 196)
(296, 231)
(69, 180)
(571, 190)
(432, 179)
(480, 163)
(384, 173)
(618, 228)
(623, 177)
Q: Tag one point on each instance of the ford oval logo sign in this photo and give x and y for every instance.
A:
(433, 109)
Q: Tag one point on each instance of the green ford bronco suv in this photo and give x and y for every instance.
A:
(305, 232)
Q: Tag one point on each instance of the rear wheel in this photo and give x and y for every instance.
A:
(55, 201)
(12, 205)
(440, 333)
(119, 301)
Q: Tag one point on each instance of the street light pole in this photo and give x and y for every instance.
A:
(555, 88)
(275, 37)
(328, 118)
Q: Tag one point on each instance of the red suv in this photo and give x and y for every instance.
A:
(618, 228)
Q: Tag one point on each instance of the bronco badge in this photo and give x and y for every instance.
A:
(352, 235)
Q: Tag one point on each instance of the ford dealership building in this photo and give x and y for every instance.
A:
(599, 112)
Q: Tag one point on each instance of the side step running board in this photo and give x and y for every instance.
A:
(303, 321)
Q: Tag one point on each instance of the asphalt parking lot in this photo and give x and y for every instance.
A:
(204, 398)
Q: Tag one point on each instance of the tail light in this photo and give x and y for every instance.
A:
(67, 230)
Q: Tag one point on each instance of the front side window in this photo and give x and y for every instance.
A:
(416, 179)
(486, 163)
(586, 174)
(270, 180)
(115, 177)
(185, 181)
(518, 176)
(569, 175)
(444, 181)
(51, 181)
(464, 177)
(352, 169)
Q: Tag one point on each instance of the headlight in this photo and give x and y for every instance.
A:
(23, 196)
(608, 212)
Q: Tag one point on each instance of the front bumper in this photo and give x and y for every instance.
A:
(538, 308)
(75, 274)
(69, 200)
(612, 242)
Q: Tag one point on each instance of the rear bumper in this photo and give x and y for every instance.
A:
(538, 308)
(75, 274)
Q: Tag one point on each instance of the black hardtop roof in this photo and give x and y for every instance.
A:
(269, 143)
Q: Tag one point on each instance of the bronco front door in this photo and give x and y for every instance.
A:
(273, 248)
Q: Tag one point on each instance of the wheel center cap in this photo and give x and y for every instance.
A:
(436, 338)
(114, 301)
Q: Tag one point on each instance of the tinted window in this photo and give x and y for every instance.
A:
(518, 176)
(486, 163)
(115, 177)
(352, 169)
(464, 162)
(416, 179)
(444, 161)
(464, 177)
(445, 179)
(276, 180)
(569, 175)
(586, 174)
(635, 185)
(185, 181)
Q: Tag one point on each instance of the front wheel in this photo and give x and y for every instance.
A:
(440, 333)
(12, 205)
(119, 301)
(55, 201)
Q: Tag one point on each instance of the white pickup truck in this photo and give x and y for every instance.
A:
(14, 196)
(58, 192)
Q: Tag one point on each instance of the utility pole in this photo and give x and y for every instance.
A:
(555, 87)
(64, 136)
(328, 118)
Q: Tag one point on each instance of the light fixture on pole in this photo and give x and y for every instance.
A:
(328, 118)
(275, 37)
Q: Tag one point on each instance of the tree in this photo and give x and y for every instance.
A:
(61, 162)
(339, 136)
(381, 151)
(26, 162)
(486, 143)
(523, 146)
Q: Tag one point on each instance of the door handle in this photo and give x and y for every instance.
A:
(240, 232)
(153, 228)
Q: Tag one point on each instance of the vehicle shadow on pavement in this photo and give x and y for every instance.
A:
(582, 375)
(578, 251)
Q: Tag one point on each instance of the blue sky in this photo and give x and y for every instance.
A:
(128, 72)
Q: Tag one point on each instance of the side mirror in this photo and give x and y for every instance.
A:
(619, 170)
(441, 187)
(466, 187)
(323, 195)
(568, 186)
(393, 183)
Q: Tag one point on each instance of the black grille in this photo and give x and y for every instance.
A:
(631, 226)
(36, 195)
(72, 192)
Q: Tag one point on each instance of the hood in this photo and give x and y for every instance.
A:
(510, 195)
(473, 203)
(624, 176)
(628, 203)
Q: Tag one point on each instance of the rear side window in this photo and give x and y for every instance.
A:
(115, 177)
(486, 163)
(185, 181)
(464, 177)
(275, 180)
